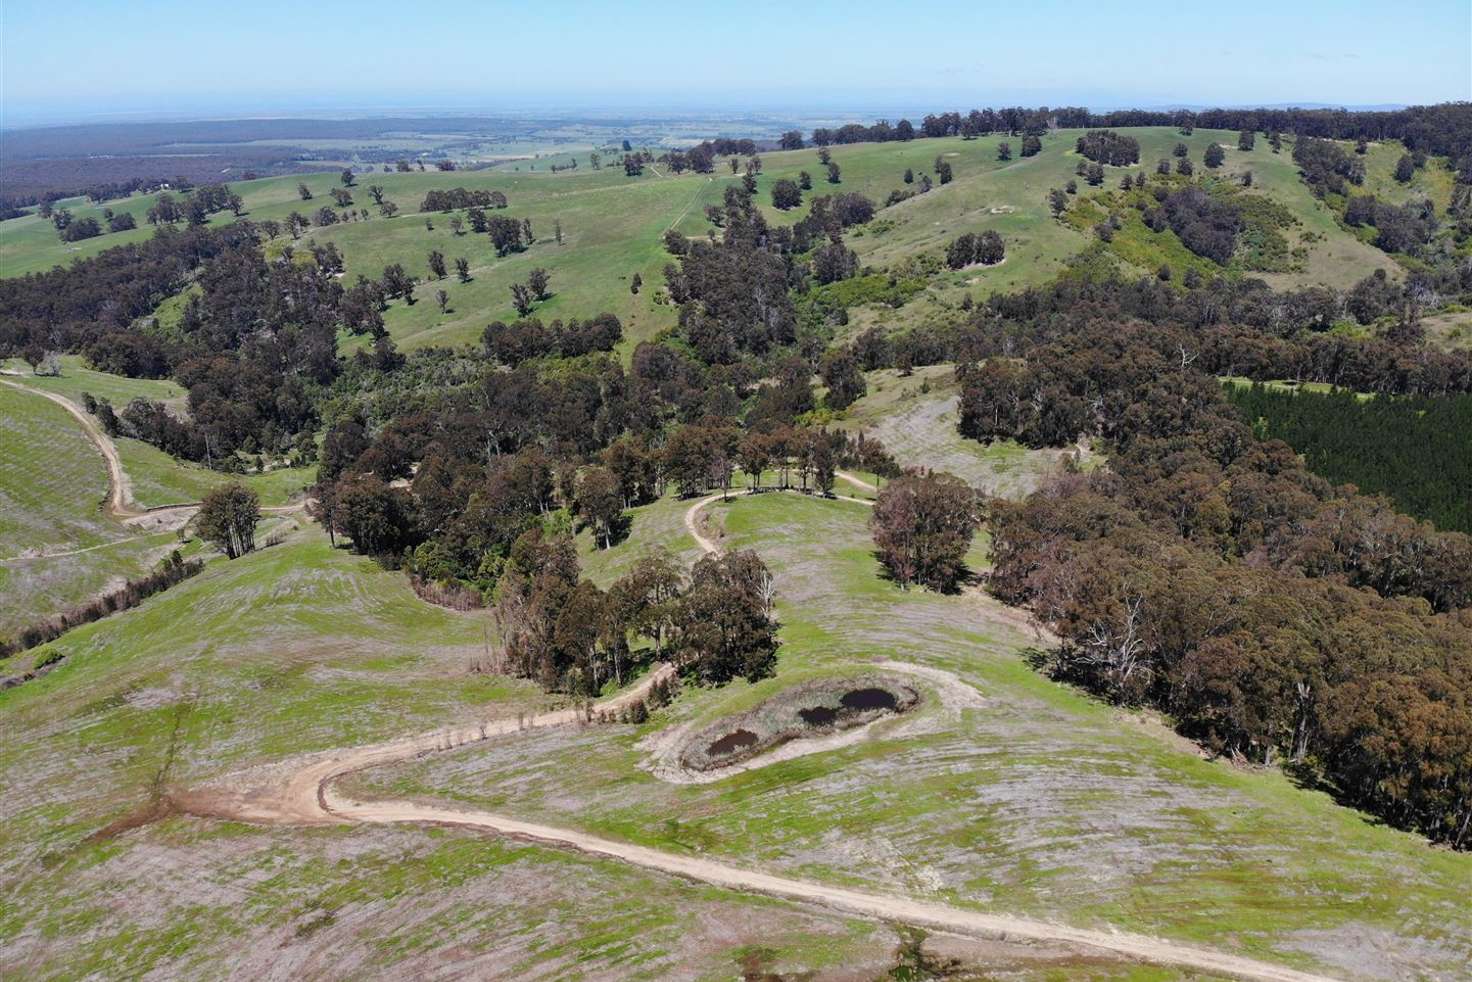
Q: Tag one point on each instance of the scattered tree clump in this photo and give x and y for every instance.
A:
(456, 199)
(1207, 225)
(786, 194)
(986, 248)
(227, 518)
(923, 524)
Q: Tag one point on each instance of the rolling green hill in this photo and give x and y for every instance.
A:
(612, 226)
(53, 483)
(1021, 795)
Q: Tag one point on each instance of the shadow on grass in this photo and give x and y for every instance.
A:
(951, 588)
(1306, 777)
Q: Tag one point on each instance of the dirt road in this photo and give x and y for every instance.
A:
(307, 796)
(879, 906)
(710, 546)
(857, 482)
(120, 503)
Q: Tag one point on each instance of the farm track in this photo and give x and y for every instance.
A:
(119, 499)
(308, 797)
(120, 504)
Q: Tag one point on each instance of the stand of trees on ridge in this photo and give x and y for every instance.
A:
(1443, 130)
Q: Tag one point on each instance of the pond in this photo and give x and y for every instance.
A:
(815, 708)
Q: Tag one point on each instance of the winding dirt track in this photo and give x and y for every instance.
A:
(710, 546)
(855, 481)
(120, 503)
(308, 797)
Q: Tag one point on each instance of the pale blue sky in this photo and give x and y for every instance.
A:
(128, 57)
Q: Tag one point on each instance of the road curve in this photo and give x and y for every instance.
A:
(711, 547)
(880, 906)
(309, 797)
(120, 503)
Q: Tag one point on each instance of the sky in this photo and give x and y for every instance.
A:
(68, 60)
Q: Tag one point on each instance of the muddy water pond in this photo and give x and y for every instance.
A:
(818, 715)
(814, 708)
(732, 742)
(858, 700)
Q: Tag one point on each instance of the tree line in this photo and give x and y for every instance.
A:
(457, 199)
(1444, 129)
(1211, 573)
(1108, 147)
(169, 571)
(250, 345)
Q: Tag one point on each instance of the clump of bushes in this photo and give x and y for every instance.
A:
(174, 569)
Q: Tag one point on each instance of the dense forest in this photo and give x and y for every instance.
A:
(1415, 449)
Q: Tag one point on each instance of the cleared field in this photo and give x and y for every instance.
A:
(76, 378)
(1288, 385)
(1334, 256)
(55, 481)
(302, 648)
(155, 477)
(159, 479)
(1011, 793)
(915, 418)
(58, 543)
(612, 226)
(1434, 181)
(1450, 330)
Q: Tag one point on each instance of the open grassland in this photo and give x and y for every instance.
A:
(1434, 181)
(302, 648)
(159, 479)
(76, 379)
(1288, 385)
(290, 649)
(612, 227)
(53, 483)
(1333, 257)
(1026, 796)
(416, 903)
(54, 479)
(58, 544)
(1004, 791)
(1449, 330)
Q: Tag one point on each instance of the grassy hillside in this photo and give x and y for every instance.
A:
(915, 418)
(1028, 797)
(157, 479)
(76, 378)
(53, 483)
(58, 545)
(1023, 796)
(612, 226)
(302, 648)
(1434, 181)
